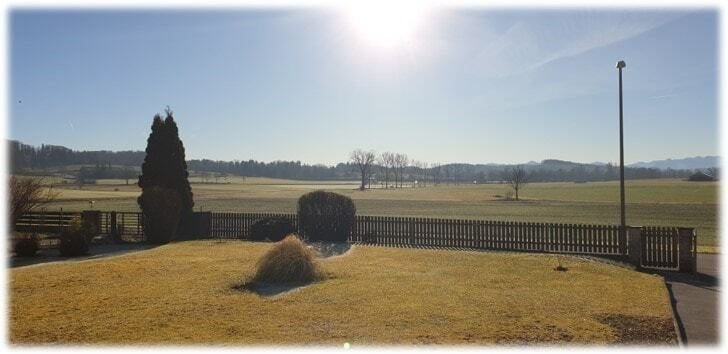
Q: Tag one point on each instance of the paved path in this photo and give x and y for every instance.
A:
(695, 298)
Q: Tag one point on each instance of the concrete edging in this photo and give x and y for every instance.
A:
(673, 314)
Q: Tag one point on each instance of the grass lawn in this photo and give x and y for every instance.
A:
(183, 293)
(657, 202)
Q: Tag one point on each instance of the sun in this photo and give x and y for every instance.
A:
(385, 25)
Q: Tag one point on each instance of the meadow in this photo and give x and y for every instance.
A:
(186, 293)
(661, 202)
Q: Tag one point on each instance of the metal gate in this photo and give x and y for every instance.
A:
(123, 226)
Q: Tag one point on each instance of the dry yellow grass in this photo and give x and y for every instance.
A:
(183, 294)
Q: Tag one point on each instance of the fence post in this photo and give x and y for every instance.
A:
(623, 240)
(687, 258)
(93, 218)
(411, 231)
(634, 235)
(114, 231)
(42, 221)
(60, 220)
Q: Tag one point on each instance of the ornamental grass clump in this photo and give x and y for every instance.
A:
(290, 261)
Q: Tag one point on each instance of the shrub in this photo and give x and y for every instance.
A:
(326, 216)
(76, 238)
(288, 262)
(162, 208)
(26, 247)
(274, 229)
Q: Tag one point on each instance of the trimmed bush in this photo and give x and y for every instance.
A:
(26, 247)
(162, 209)
(288, 262)
(326, 216)
(76, 239)
(274, 229)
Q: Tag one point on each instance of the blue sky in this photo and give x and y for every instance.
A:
(467, 85)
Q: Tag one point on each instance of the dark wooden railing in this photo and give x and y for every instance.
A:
(667, 248)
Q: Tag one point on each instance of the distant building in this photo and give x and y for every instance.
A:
(701, 177)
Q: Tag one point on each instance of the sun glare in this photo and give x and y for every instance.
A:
(385, 25)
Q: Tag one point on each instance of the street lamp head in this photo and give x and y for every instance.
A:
(621, 64)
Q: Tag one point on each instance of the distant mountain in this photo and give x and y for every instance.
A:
(688, 163)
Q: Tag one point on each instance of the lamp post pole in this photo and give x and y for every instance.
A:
(620, 65)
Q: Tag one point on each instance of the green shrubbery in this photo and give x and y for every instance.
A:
(326, 216)
(162, 209)
(288, 262)
(273, 228)
(75, 239)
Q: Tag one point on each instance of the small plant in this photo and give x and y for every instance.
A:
(76, 238)
(288, 262)
(326, 216)
(26, 247)
(274, 229)
(560, 267)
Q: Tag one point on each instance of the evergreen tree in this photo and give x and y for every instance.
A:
(154, 160)
(165, 167)
(177, 170)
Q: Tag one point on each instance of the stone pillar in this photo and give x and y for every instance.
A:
(634, 237)
(687, 254)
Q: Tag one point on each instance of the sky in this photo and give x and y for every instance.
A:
(470, 85)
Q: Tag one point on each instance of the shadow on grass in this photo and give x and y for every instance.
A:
(269, 289)
(50, 255)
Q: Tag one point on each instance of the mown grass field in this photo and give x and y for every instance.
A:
(183, 293)
(662, 202)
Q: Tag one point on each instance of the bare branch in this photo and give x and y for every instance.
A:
(27, 194)
(364, 161)
(517, 178)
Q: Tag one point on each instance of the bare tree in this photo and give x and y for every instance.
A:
(27, 194)
(386, 160)
(364, 161)
(400, 163)
(516, 177)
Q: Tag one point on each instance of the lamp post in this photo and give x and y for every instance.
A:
(620, 65)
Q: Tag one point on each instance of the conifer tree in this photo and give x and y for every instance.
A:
(164, 170)
(177, 166)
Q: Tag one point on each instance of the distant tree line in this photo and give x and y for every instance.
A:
(23, 156)
(387, 169)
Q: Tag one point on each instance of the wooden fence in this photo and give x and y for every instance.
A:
(237, 225)
(667, 248)
(496, 235)
(45, 221)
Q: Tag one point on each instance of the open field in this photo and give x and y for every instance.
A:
(183, 293)
(664, 202)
